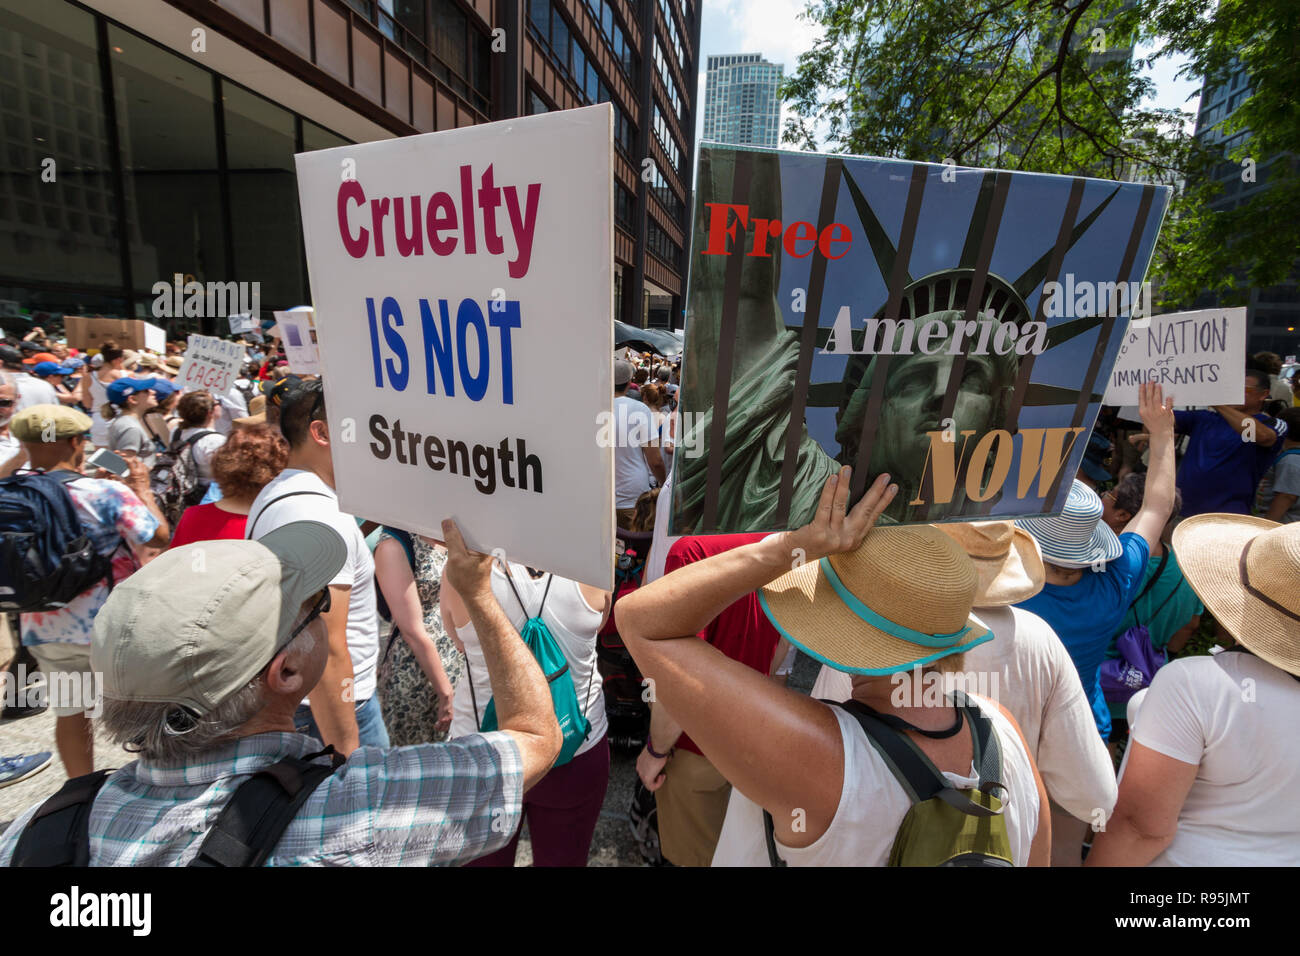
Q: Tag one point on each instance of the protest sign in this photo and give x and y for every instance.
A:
(210, 363)
(241, 322)
(298, 330)
(463, 286)
(1198, 357)
(155, 339)
(952, 327)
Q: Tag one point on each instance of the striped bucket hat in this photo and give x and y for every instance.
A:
(1077, 537)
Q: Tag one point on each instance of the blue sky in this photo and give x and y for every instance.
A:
(773, 28)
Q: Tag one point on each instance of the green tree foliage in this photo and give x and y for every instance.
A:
(1047, 86)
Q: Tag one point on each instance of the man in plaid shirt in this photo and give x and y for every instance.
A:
(205, 654)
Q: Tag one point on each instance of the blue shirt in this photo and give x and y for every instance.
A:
(1220, 472)
(1086, 614)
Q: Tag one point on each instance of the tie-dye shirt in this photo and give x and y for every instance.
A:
(98, 501)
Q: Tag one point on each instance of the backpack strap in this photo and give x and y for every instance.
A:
(178, 445)
(280, 498)
(58, 834)
(920, 778)
(261, 809)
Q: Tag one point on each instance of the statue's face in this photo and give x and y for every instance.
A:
(913, 406)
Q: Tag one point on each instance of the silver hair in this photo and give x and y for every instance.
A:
(165, 731)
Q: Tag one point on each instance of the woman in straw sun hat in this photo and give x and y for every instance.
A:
(1211, 775)
(873, 603)
(1027, 670)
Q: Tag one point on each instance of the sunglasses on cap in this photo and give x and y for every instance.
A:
(321, 606)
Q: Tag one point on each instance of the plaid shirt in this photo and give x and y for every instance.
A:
(431, 804)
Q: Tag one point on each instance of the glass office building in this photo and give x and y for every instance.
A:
(741, 102)
(145, 139)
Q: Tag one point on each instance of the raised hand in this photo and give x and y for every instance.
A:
(834, 528)
(469, 572)
(1156, 411)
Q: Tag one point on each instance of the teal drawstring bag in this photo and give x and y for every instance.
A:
(575, 728)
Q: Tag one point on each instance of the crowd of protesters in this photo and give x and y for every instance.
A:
(1076, 679)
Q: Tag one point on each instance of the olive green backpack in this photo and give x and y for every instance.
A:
(945, 826)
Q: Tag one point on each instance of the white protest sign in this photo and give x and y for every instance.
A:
(210, 363)
(241, 322)
(298, 332)
(1198, 357)
(463, 283)
(155, 339)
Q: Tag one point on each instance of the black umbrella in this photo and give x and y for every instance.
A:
(659, 341)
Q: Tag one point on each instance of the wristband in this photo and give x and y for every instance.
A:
(651, 750)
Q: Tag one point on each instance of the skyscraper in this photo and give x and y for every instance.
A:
(741, 105)
(1273, 312)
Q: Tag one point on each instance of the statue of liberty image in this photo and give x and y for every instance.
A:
(890, 403)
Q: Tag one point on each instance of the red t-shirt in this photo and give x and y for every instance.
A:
(208, 523)
(742, 631)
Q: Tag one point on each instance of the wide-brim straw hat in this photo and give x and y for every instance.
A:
(1246, 571)
(256, 412)
(1006, 558)
(902, 599)
(1077, 537)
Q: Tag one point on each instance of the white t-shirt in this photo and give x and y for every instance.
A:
(634, 427)
(358, 571)
(873, 803)
(232, 406)
(9, 447)
(572, 622)
(204, 449)
(33, 391)
(661, 542)
(99, 398)
(1027, 669)
(1235, 717)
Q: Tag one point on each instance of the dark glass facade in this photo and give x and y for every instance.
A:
(125, 164)
(126, 160)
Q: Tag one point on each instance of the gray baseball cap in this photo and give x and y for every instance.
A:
(199, 622)
(622, 372)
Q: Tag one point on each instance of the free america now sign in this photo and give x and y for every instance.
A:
(463, 291)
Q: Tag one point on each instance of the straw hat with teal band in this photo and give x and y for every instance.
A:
(902, 599)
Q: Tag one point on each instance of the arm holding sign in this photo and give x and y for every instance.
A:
(520, 690)
(1265, 437)
(780, 748)
(1158, 500)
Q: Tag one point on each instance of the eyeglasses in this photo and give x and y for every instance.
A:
(8, 402)
(322, 606)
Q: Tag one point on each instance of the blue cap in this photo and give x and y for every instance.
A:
(50, 368)
(75, 363)
(124, 388)
(162, 388)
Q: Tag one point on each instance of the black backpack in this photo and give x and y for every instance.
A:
(249, 827)
(174, 478)
(47, 555)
